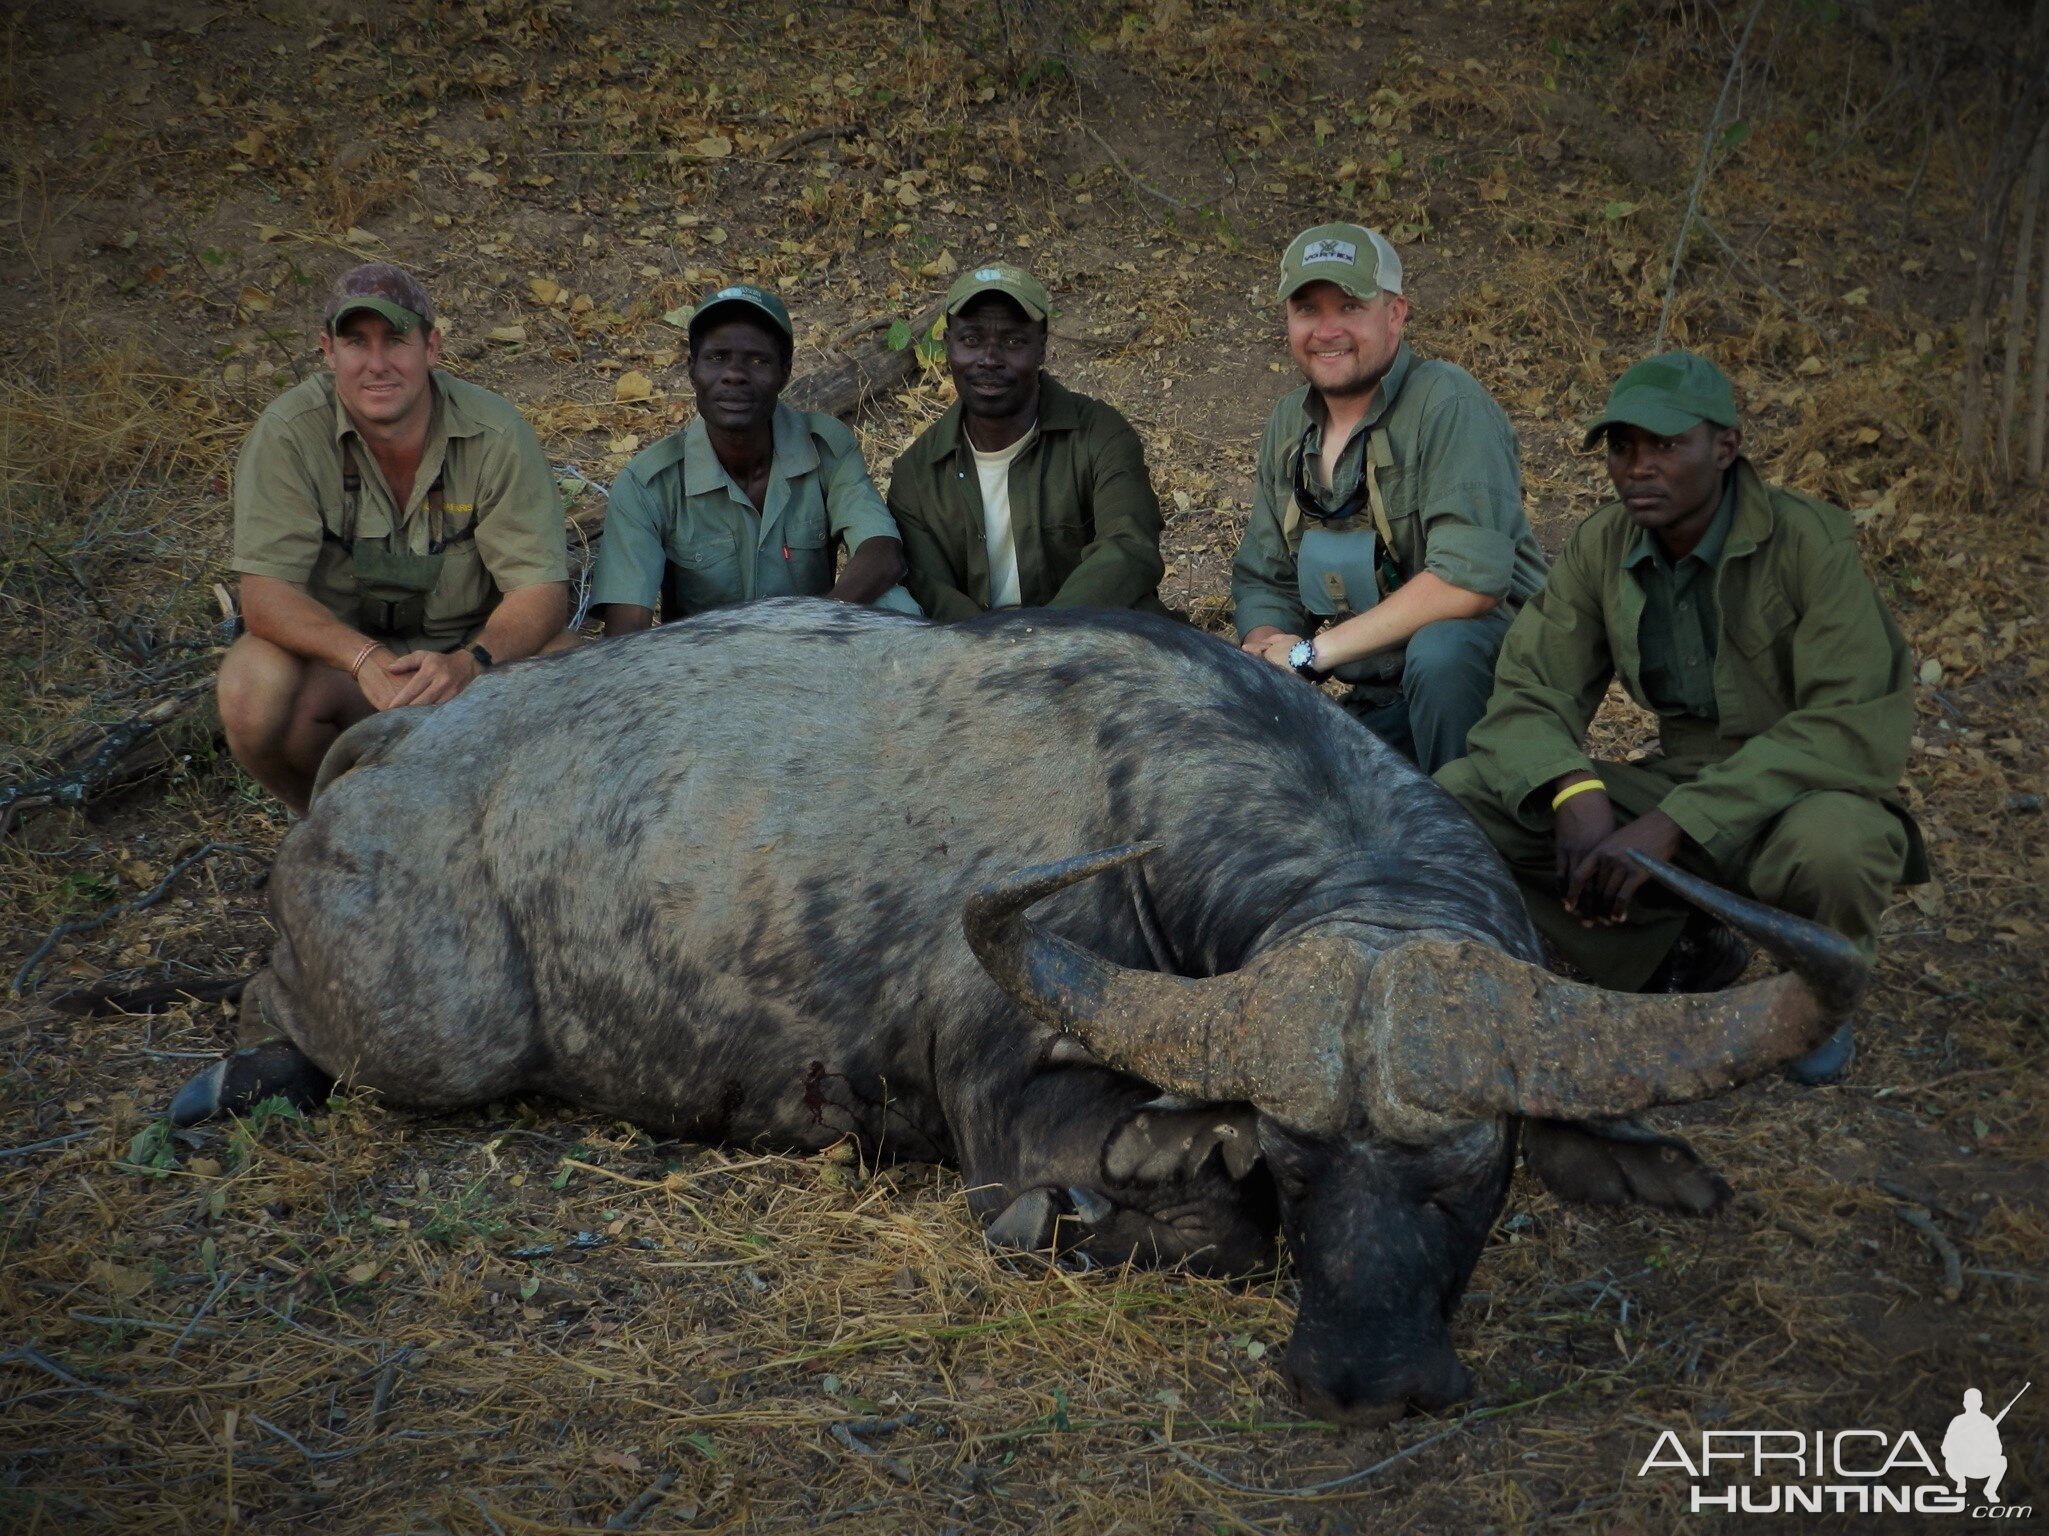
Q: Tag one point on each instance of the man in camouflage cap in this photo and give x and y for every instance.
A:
(1024, 494)
(1388, 507)
(752, 498)
(1736, 612)
(397, 532)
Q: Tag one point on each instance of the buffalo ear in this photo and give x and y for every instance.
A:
(1615, 1162)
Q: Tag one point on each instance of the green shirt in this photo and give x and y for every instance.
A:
(1450, 476)
(1082, 513)
(1814, 685)
(1681, 624)
(676, 505)
(292, 519)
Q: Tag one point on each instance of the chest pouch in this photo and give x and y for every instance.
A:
(1336, 568)
(393, 586)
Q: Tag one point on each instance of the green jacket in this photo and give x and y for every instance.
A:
(1082, 512)
(1812, 678)
(1450, 474)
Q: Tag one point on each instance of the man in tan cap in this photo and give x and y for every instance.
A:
(1024, 494)
(1738, 613)
(1388, 507)
(397, 532)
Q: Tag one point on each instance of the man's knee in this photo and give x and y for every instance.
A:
(1829, 849)
(1452, 649)
(257, 687)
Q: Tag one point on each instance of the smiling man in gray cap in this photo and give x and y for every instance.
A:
(752, 498)
(1388, 507)
(1024, 494)
(397, 532)
(1738, 613)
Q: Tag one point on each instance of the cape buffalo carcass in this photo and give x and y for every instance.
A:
(762, 876)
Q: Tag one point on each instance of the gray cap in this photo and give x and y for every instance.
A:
(1359, 260)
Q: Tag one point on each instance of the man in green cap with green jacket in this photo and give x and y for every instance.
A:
(1388, 507)
(1024, 494)
(1738, 613)
(751, 499)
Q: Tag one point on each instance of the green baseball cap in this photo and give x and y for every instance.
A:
(1016, 284)
(1671, 393)
(1359, 260)
(739, 296)
(379, 288)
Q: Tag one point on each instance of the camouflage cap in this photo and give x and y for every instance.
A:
(1671, 393)
(1016, 284)
(1359, 260)
(381, 289)
(742, 297)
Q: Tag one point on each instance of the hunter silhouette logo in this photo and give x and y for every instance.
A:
(1845, 1471)
(1970, 1446)
(1330, 250)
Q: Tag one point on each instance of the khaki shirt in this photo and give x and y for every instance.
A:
(292, 520)
(1083, 515)
(1814, 685)
(1450, 477)
(676, 505)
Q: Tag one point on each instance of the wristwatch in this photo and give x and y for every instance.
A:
(484, 658)
(1302, 661)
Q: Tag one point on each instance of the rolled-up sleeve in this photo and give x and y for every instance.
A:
(277, 511)
(1473, 507)
(854, 509)
(630, 556)
(520, 532)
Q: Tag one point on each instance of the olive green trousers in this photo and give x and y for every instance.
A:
(1831, 856)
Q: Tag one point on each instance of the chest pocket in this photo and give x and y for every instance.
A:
(807, 536)
(702, 571)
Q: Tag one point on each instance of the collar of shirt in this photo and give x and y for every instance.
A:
(1705, 556)
(1057, 413)
(793, 454)
(446, 422)
(1383, 402)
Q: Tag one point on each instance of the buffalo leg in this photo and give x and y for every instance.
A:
(277, 1069)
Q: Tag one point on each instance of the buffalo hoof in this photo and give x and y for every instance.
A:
(248, 1077)
(1827, 1062)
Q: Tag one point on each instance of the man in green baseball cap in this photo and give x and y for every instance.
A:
(1387, 544)
(397, 533)
(751, 498)
(1024, 494)
(1737, 613)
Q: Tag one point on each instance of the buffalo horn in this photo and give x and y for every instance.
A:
(1508, 1037)
(1269, 1035)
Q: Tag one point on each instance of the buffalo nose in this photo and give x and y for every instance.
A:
(1379, 1393)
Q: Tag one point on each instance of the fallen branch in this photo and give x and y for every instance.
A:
(1141, 183)
(870, 369)
(849, 1432)
(141, 903)
(797, 141)
(114, 758)
(633, 1513)
(103, 999)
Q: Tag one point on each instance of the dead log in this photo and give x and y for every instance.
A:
(869, 369)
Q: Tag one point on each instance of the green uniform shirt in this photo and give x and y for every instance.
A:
(1814, 686)
(1681, 624)
(1082, 513)
(292, 519)
(676, 505)
(1450, 476)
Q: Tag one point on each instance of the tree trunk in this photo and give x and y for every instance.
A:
(2038, 409)
(872, 368)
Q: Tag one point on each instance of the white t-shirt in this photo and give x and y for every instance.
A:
(993, 469)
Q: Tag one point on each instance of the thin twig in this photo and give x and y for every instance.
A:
(1707, 151)
(1766, 283)
(1140, 182)
(54, 1141)
(647, 1499)
(64, 931)
(1952, 1264)
(205, 1306)
(28, 1354)
(1310, 1490)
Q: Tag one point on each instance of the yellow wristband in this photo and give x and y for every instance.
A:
(1570, 790)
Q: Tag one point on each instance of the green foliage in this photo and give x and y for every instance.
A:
(150, 1150)
(451, 1223)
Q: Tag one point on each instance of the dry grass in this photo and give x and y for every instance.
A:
(524, 1320)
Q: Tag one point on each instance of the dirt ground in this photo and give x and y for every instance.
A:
(525, 1320)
